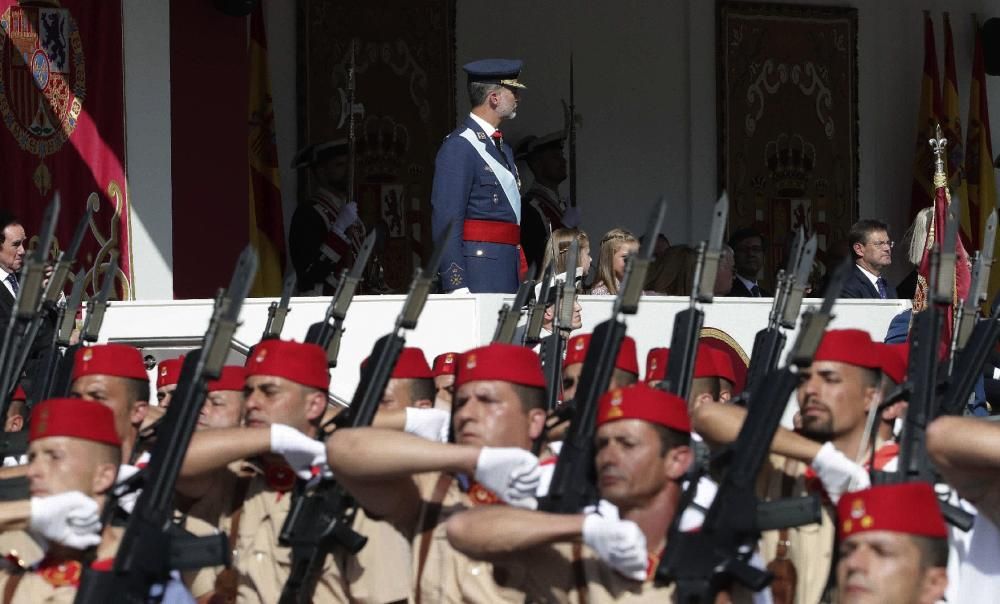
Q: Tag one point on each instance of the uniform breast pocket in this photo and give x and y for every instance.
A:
(489, 189)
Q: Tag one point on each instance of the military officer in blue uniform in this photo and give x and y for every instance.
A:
(476, 187)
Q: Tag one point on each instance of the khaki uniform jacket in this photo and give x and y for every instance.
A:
(263, 565)
(810, 547)
(444, 575)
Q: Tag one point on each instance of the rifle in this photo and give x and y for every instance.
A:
(96, 306)
(573, 479)
(688, 322)
(278, 310)
(922, 376)
(41, 384)
(975, 342)
(328, 332)
(19, 336)
(151, 545)
(536, 310)
(704, 562)
(554, 346)
(569, 112)
(510, 314)
(769, 342)
(321, 520)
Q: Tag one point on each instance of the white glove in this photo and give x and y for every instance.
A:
(300, 451)
(461, 290)
(431, 424)
(127, 501)
(71, 518)
(838, 474)
(620, 543)
(512, 473)
(347, 216)
(571, 217)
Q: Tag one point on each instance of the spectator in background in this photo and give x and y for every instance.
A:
(616, 246)
(557, 249)
(913, 243)
(672, 273)
(872, 248)
(748, 250)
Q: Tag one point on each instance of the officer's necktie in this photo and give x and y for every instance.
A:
(498, 141)
(12, 279)
(755, 291)
(880, 284)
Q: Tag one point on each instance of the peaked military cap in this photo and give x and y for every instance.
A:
(495, 71)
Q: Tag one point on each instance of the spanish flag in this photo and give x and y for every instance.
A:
(922, 193)
(982, 194)
(267, 230)
(952, 126)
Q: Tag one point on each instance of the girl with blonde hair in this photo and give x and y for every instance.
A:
(557, 249)
(616, 246)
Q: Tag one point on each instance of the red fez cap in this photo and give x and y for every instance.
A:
(74, 417)
(300, 362)
(711, 362)
(656, 364)
(168, 372)
(895, 359)
(444, 364)
(118, 360)
(851, 346)
(639, 401)
(628, 358)
(412, 364)
(231, 378)
(19, 394)
(503, 362)
(911, 508)
(721, 341)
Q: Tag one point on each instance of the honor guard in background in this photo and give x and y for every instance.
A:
(325, 235)
(477, 188)
(543, 210)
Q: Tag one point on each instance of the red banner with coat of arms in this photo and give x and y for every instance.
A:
(63, 112)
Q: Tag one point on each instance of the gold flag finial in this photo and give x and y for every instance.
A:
(939, 146)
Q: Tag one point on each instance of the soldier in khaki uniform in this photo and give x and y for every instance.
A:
(286, 385)
(834, 396)
(74, 449)
(642, 452)
(417, 485)
(411, 384)
(892, 553)
(444, 379)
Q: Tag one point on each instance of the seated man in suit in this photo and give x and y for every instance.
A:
(872, 249)
(748, 257)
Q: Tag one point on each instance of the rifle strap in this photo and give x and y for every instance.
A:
(579, 573)
(786, 576)
(428, 521)
(227, 582)
(10, 588)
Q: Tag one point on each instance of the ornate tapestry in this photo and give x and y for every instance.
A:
(788, 124)
(405, 82)
(63, 107)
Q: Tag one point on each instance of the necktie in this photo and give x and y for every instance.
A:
(498, 141)
(755, 291)
(880, 284)
(12, 279)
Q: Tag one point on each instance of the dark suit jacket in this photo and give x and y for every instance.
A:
(859, 286)
(740, 291)
(45, 332)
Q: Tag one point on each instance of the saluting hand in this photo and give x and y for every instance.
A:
(71, 518)
(620, 543)
(300, 451)
(512, 473)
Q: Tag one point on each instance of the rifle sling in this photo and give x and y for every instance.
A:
(10, 588)
(227, 582)
(428, 521)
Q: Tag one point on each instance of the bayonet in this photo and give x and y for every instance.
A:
(278, 309)
(510, 314)
(710, 264)
(99, 303)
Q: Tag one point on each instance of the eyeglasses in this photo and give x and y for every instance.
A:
(888, 244)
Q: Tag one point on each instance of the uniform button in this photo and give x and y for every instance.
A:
(479, 252)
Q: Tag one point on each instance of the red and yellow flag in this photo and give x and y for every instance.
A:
(952, 125)
(982, 188)
(922, 193)
(267, 230)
